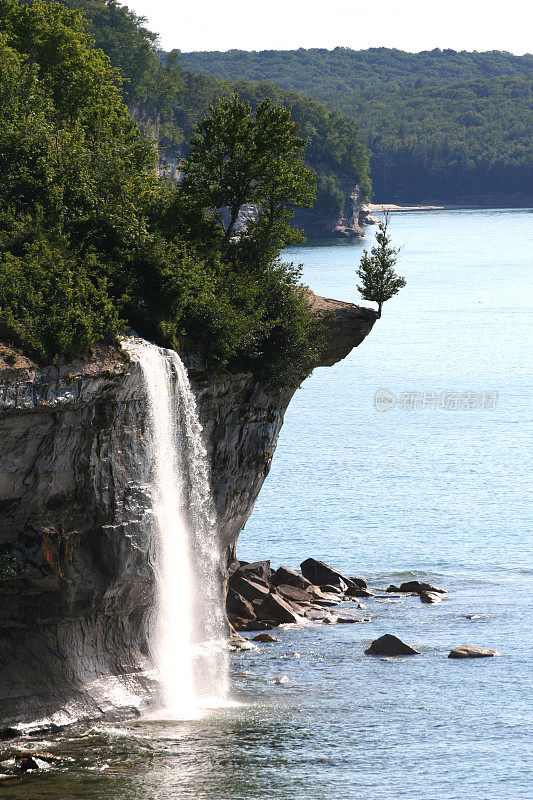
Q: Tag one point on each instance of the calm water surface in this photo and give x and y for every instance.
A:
(436, 486)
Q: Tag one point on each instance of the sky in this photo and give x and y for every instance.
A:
(411, 25)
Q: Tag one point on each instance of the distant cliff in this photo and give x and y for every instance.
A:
(76, 579)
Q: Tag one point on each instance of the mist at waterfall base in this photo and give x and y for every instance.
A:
(437, 493)
(187, 633)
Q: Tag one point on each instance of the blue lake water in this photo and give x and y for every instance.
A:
(438, 486)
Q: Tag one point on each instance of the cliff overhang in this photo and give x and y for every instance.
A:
(76, 575)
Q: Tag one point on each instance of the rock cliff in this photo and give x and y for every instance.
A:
(76, 581)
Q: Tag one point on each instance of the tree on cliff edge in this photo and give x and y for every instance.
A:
(379, 281)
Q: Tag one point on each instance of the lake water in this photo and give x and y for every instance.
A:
(437, 486)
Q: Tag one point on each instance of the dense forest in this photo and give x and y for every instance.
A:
(94, 241)
(442, 126)
(158, 90)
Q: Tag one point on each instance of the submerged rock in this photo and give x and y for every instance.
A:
(469, 651)
(389, 645)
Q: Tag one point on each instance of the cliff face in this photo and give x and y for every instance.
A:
(343, 224)
(76, 580)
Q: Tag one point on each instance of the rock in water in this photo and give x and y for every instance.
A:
(389, 645)
(294, 594)
(468, 651)
(321, 574)
(274, 608)
(431, 597)
(418, 587)
(264, 637)
(284, 576)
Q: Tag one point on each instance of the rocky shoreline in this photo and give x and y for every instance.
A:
(260, 599)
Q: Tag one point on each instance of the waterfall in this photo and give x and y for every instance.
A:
(187, 636)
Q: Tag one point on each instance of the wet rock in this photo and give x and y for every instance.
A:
(393, 588)
(389, 645)
(431, 597)
(469, 651)
(242, 624)
(293, 593)
(238, 605)
(284, 576)
(26, 762)
(358, 592)
(321, 574)
(334, 589)
(360, 582)
(418, 587)
(331, 619)
(9, 733)
(249, 588)
(275, 609)
(264, 637)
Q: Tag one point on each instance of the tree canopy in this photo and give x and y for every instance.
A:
(92, 241)
(442, 126)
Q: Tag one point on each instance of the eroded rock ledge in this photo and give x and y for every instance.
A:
(76, 583)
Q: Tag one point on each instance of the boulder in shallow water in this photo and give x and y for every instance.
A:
(293, 593)
(360, 582)
(358, 592)
(418, 587)
(264, 637)
(321, 574)
(284, 576)
(469, 651)
(275, 609)
(431, 597)
(393, 588)
(389, 645)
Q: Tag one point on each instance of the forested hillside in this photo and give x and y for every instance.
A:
(94, 241)
(442, 126)
(157, 89)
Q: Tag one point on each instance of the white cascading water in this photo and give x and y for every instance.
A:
(187, 641)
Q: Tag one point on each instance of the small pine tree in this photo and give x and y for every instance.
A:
(379, 281)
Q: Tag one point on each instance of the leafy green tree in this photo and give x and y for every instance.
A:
(379, 281)
(240, 158)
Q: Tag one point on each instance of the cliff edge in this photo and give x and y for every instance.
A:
(76, 580)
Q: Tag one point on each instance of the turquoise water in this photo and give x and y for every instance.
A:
(417, 490)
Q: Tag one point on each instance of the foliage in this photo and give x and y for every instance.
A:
(237, 158)
(379, 281)
(442, 126)
(92, 241)
(160, 92)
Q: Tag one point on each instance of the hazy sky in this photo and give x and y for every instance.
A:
(288, 24)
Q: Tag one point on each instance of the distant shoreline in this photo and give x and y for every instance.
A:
(393, 207)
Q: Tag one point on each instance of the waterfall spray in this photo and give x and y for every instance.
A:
(187, 637)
